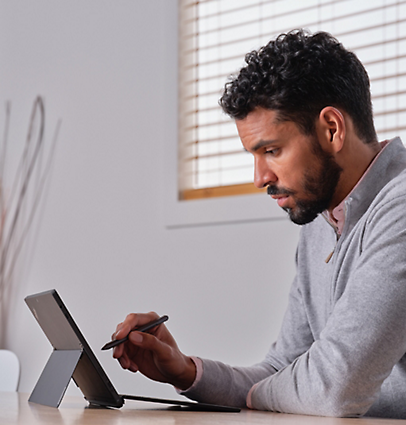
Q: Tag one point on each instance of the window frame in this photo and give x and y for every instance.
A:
(187, 193)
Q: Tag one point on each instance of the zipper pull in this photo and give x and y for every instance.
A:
(329, 256)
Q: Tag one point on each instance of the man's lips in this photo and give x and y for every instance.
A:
(280, 195)
(280, 199)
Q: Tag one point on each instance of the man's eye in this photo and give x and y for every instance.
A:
(272, 151)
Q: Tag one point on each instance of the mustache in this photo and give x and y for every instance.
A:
(274, 190)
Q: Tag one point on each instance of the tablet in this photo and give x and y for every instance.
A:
(73, 358)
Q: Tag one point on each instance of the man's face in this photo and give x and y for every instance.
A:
(300, 175)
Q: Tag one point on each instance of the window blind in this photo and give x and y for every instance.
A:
(215, 35)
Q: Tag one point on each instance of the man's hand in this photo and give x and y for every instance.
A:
(155, 354)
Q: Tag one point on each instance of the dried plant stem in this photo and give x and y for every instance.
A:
(17, 212)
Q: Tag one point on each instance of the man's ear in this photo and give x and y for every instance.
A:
(331, 129)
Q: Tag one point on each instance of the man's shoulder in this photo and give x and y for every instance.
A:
(395, 189)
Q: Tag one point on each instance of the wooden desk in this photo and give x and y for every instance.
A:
(15, 409)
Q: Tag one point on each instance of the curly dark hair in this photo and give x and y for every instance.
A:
(298, 74)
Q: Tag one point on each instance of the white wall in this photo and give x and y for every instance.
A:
(108, 69)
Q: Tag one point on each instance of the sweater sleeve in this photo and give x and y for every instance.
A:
(227, 385)
(223, 384)
(342, 372)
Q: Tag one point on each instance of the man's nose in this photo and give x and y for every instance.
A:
(263, 174)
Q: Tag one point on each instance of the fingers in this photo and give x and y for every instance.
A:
(132, 321)
(143, 341)
(127, 364)
(123, 329)
(173, 366)
(154, 353)
(119, 326)
(118, 351)
(146, 341)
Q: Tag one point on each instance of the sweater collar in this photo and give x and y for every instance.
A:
(390, 160)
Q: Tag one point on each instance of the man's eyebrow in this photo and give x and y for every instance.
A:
(261, 144)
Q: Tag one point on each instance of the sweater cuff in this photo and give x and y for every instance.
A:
(248, 401)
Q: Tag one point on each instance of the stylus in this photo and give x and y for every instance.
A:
(143, 328)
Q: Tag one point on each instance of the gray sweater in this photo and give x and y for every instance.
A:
(341, 348)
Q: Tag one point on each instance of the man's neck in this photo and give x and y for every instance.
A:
(354, 159)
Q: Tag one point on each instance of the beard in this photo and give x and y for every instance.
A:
(319, 186)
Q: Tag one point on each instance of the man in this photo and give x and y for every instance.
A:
(302, 108)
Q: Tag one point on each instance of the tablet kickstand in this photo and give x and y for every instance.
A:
(55, 377)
